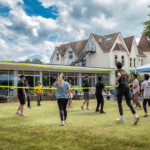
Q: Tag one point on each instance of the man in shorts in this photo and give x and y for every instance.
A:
(87, 93)
(146, 93)
(21, 94)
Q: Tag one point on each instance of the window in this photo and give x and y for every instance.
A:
(57, 56)
(130, 62)
(141, 62)
(116, 59)
(134, 62)
(108, 39)
(70, 54)
(93, 46)
(84, 62)
(123, 60)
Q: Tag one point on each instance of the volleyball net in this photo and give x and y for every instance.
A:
(42, 67)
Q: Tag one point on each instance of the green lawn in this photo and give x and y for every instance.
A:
(85, 130)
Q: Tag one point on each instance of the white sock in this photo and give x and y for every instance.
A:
(121, 117)
(135, 115)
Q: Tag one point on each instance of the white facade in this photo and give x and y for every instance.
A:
(131, 58)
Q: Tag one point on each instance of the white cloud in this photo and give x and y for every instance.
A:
(22, 36)
(11, 3)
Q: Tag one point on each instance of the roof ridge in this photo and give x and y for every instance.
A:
(72, 42)
(129, 37)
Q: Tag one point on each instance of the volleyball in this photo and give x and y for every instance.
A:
(100, 41)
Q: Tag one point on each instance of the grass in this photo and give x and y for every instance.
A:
(85, 130)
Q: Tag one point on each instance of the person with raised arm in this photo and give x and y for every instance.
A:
(63, 94)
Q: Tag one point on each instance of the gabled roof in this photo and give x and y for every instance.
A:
(77, 47)
(107, 40)
(140, 52)
(144, 45)
(128, 41)
(119, 46)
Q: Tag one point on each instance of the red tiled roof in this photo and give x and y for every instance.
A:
(128, 41)
(77, 47)
(144, 45)
(106, 45)
(119, 46)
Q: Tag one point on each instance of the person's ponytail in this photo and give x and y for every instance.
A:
(61, 80)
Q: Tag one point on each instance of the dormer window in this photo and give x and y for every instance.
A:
(57, 56)
(93, 46)
(70, 54)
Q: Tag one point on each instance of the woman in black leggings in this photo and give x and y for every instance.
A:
(63, 90)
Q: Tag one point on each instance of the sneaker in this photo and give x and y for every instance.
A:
(97, 110)
(88, 108)
(121, 120)
(102, 112)
(17, 113)
(62, 123)
(136, 120)
(23, 115)
(65, 122)
(29, 107)
(82, 107)
(139, 108)
(146, 115)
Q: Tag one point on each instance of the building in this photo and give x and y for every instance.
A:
(47, 74)
(103, 51)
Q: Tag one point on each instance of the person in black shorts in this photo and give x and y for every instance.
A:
(124, 90)
(21, 94)
(100, 87)
(87, 93)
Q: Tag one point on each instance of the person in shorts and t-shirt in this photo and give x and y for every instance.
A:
(87, 93)
(145, 93)
(21, 94)
(135, 94)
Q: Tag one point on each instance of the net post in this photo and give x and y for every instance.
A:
(135, 70)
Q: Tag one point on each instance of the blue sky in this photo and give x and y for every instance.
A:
(31, 28)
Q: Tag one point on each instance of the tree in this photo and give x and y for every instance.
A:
(37, 61)
(34, 61)
(147, 27)
(27, 61)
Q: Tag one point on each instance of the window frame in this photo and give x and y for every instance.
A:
(93, 46)
(115, 58)
(134, 62)
(130, 62)
(84, 63)
(123, 60)
(70, 54)
(57, 56)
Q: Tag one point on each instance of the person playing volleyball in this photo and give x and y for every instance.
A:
(123, 90)
(63, 90)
